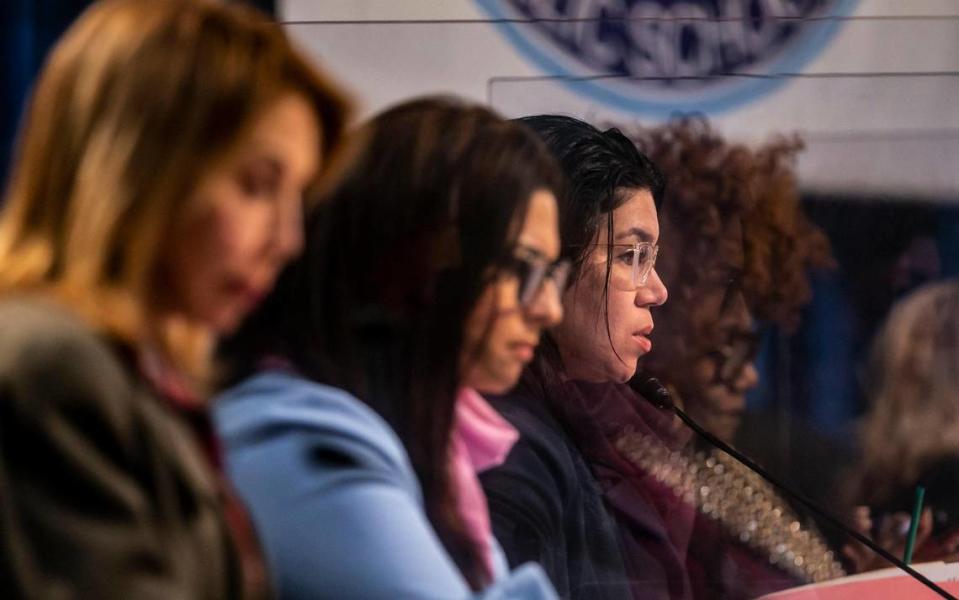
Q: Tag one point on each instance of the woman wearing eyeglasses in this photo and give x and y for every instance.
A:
(356, 428)
(546, 500)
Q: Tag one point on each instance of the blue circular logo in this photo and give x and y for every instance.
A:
(661, 56)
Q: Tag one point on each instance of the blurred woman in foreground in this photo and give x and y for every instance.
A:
(356, 431)
(157, 190)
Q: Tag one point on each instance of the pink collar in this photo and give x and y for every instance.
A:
(487, 436)
(481, 440)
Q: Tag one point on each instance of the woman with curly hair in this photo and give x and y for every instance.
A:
(739, 252)
(740, 248)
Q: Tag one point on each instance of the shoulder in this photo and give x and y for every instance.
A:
(533, 420)
(541, 435)
(37, 331)
(50, 358)
(280, 408)
(543, 460)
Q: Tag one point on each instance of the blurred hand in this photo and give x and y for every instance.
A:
(891, 537)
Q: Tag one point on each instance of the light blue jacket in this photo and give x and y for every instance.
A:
(335, 500)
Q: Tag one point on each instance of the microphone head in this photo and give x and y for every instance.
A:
(652, 390)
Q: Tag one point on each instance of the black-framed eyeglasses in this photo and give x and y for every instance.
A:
(533, 272)
(733, 356)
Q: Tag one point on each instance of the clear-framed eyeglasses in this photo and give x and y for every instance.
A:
(533, 272)
(632, 264)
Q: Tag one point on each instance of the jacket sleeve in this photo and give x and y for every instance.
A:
(525, 496)
(74, 500)
(336, 502)
(345, 530)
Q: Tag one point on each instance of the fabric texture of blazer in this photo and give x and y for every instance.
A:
(336, 501)
(105, 490)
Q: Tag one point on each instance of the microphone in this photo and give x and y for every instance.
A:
(653, 391)
(656, 393)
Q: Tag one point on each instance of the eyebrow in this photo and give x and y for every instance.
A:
(278, 168)
(637, 232)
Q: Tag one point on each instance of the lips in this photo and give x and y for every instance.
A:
(250, 294)
(641, 337)
(524, 351)
(644, 343)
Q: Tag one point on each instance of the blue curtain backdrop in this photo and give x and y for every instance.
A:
(28, 28)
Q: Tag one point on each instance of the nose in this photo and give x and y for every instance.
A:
(547, 307)
(747, 379)
(654, 293)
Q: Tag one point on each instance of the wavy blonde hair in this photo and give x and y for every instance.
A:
(914, 387)
(134, 106)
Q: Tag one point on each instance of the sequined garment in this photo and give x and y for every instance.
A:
(740, 501)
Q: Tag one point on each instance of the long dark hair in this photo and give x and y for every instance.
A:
(394, 263)
(602, 168)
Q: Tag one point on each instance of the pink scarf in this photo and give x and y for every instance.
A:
(481, 440)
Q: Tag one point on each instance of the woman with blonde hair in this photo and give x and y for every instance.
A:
(157, 190)
(910, 436)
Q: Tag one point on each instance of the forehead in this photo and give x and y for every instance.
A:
(540, 230)
(635, 220)
(721, 255)
(288, 131)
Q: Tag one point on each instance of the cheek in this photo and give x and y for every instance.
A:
(500, 361)
(492, 368)
(620, 307)
(622, 323)
(478, 322)
(493, 365)
(205, 252)
(583, 319)
(702, 373)
(205, 261)
(236, 237)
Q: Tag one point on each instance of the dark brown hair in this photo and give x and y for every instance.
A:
(602, 168)
(712, 183)
(394, 264)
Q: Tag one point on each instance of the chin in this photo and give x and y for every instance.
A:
(621, 373)
(490, 387)
(498, 383)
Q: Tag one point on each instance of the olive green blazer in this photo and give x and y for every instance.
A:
(105, 492)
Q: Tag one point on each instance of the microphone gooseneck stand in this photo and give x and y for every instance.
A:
(654, 392)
